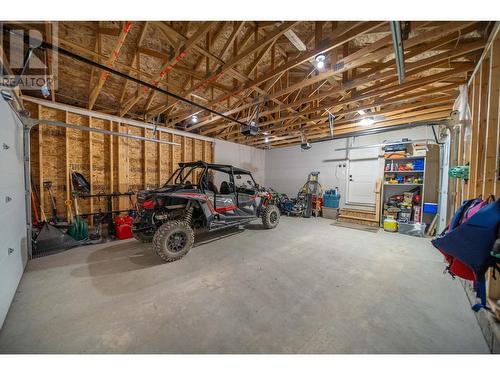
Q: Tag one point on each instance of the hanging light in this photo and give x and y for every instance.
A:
(266, 140)
(194, 119)
(320, 61)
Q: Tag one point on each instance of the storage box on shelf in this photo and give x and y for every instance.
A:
(430, 208)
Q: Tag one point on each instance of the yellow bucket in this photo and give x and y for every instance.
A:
(390, 225)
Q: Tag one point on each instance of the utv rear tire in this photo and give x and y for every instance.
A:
(173, 240)
(143, 237)
(271, 217)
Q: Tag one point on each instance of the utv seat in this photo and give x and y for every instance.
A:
(224, 188)
(211, 186)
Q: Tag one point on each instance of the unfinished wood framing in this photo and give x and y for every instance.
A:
(480, 140)
(110, 163)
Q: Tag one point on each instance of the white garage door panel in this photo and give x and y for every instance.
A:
(10, 202)
(13, 237)
(12, 267)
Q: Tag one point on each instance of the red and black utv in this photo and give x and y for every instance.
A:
(199, 196)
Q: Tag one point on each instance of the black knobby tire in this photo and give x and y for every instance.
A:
(144, 237)
(173, 240)
(271, 217)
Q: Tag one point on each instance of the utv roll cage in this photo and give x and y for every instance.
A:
(179, 178)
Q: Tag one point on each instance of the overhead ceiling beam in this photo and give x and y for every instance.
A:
(352, 61)
(386, 112)
(192, 72)
(267, 40)
(237, 27)
(329, 45)
(366, 106)
(43, 44)
(208, 79)
(448, 42)
(395, 123)
(181, 53)
(135, 61)
(115, 53)
(414, 67)
(382, 97)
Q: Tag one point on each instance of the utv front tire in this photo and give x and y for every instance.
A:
(173, 240)
(271, 217)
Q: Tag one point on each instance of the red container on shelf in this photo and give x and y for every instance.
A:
(123, 227)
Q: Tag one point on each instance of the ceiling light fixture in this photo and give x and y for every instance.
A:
(320, 61)
(194, 119)
(266, 140)
(367, 121)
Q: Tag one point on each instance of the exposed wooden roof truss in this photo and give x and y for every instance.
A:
(233, 67)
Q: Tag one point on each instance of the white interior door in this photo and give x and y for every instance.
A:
(361, 180)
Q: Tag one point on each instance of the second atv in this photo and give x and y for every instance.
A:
(191, 200)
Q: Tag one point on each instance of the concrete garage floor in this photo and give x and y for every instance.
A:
(306, 287)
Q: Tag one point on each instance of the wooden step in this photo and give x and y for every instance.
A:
(358, 210)
(357, 213)
(348, 215)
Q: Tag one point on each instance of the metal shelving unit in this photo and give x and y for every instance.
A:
(389, 188)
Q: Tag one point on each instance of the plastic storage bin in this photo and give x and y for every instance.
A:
(412, 228)
(418, 164)
(430, 208)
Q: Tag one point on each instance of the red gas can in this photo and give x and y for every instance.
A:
(123, 227)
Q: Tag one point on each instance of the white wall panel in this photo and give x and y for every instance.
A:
(250, 158)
